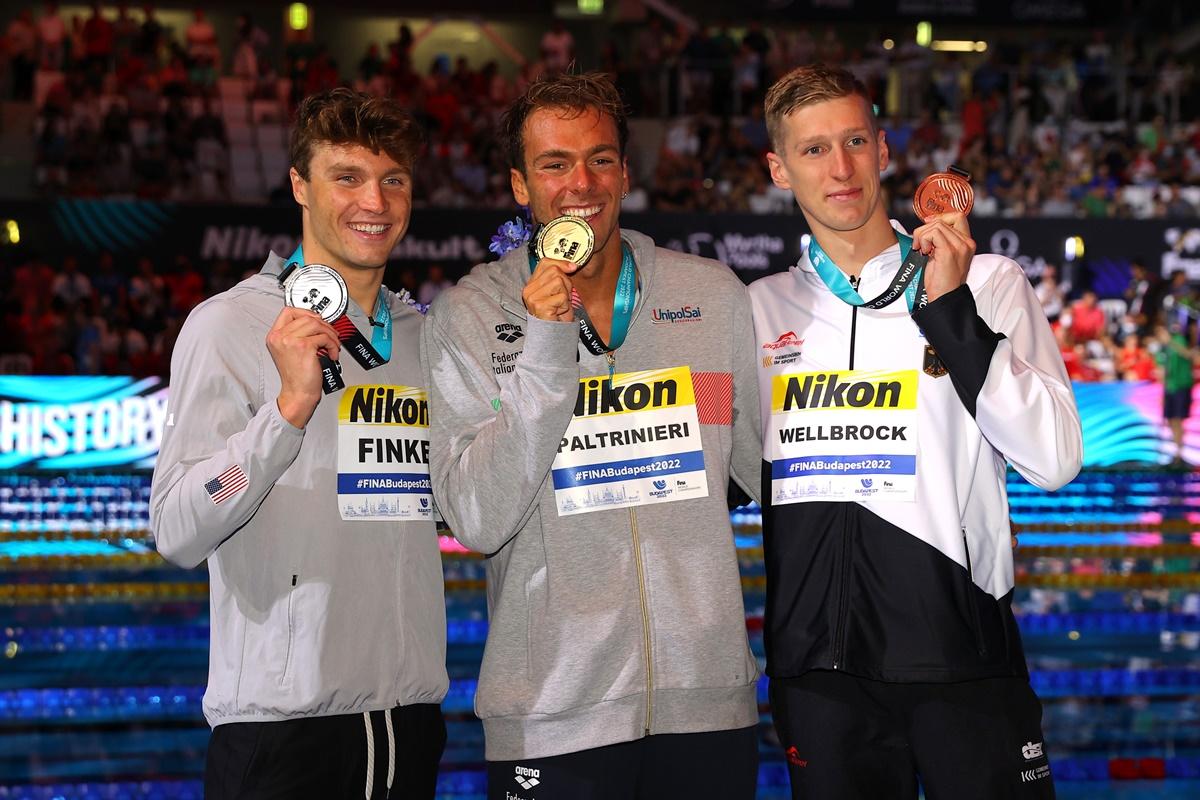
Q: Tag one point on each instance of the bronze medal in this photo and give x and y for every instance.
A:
(943, 192)
(567, 239)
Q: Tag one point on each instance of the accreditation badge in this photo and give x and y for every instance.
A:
(634, 440)
(843, 436)
(383, 454)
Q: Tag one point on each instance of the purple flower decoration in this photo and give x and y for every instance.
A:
(511, 235)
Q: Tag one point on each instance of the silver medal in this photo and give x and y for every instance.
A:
(317, 288)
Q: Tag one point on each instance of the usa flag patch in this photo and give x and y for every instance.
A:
(226, 485)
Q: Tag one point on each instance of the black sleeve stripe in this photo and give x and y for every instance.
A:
(963, 341)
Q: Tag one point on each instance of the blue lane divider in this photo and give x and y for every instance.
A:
(1107, 622)
(129, 703)
(1093, 682)
(1096, 768)
(1114, 682)
(125, 790)
(164, 637)
(108, 637)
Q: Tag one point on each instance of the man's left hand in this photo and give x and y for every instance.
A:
(946, 239)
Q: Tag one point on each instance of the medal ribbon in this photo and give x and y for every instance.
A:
(623, 302)
(909, 280)
(370, 354)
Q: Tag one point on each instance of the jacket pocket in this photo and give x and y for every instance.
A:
(973, 602)
(289, 658)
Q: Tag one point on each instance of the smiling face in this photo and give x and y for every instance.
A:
(830, 157)
(573, 166)
(355, 204)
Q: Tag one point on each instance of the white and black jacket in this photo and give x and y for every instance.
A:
(918, 590)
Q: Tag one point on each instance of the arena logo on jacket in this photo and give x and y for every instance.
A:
(843, 436)
(634, 440)
(504, 362)
(383, 454)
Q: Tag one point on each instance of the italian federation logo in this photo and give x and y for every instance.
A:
(527, 778)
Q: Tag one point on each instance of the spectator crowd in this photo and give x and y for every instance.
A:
(116, 316)
(1121, 338)
(126, 105)
(1096, 127)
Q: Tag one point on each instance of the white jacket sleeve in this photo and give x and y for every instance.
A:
(1007, 368)
(218, 423)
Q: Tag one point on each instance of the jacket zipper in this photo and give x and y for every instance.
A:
(840, 632)
(641, 573)
(972, 604)
(853, 320)
(611, 358)
(287, 660)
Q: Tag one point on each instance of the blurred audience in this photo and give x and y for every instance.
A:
(1098, 125)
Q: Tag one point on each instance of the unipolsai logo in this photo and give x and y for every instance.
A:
(685, 313)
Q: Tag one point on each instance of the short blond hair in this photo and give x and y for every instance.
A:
(805, 86)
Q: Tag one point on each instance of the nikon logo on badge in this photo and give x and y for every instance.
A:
(386, 405)
(634, 391)
(682, 314)
(808, 391)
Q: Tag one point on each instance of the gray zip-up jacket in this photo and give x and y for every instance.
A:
(311, 615)
(609, 625)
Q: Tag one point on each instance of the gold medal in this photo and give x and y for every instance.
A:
(567, 239)
(943, 192)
